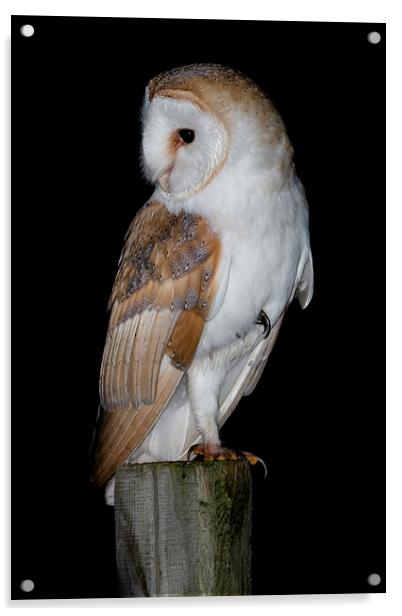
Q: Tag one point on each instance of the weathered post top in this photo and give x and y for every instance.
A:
(183, 529)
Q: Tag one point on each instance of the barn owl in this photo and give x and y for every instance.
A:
(210, 264)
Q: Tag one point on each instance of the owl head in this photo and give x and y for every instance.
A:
(198, 118)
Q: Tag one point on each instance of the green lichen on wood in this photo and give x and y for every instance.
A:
(195, 538)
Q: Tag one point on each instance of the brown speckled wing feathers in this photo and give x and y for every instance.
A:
(160, 300)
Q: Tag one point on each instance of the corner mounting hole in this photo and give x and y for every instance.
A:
(374, 579)
(27, 30)
(27, 585)
(374, 38)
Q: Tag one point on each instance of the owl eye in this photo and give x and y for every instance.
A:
(187, 135)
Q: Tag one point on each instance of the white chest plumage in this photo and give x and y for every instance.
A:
(261, 276)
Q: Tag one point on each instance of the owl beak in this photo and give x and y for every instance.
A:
(163, 179)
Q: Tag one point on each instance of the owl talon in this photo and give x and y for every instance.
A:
(263, 319)
(223, 453)
(190, 452)
(253, 460)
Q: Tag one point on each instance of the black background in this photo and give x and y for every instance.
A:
(317, 416)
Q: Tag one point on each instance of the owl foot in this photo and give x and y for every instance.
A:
(214, 453)
(263, 319)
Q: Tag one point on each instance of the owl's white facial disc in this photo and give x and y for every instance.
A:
(183, 146)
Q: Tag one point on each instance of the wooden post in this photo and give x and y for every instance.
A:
(183, 529)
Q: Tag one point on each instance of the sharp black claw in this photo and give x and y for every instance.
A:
(190, 451)
(263, 319)
(265, 467)
(242, 455)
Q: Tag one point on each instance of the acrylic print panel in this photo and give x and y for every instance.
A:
(316, 416)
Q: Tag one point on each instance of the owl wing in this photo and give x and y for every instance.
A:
(160, 301)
